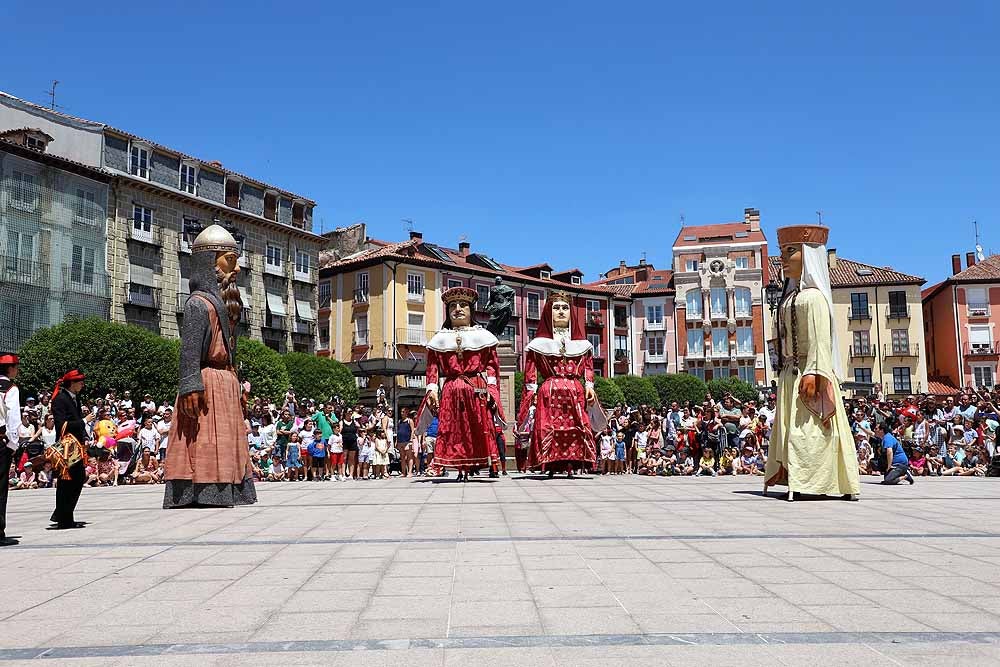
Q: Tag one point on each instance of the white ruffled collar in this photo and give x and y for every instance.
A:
(560, 345)
(473, 339)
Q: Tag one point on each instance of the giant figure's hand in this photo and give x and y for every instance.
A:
(432, 398)
(591, 396)
(191, 405)
(808, 388)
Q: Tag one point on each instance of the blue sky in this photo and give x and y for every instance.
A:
(576, 133)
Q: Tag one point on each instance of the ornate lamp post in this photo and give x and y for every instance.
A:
(773, 295)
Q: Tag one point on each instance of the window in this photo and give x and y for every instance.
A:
(452, 282)
(34, 143)
(744, 340)
(900, 341)
(621, 344)
(977, 300)
(575, 280)
(698, 372)
(509, 334)
(534, 311)
(24, 190)
(415, 286)
(859, 305)
(862, 344)
(361, 330)
(483, 296)
(273, 256)
(720, 342)
(324, 336)
(86, 206)
(654, 315)
(271, 205)
(139, 161)
(233, 189)
(142, 222)
(621, 316)
(719, 308)
(742, 262)
(862, 375)
(983, 377)
(545, 275)
(901, 380)
(980, 339)
(298, 214)
(325, 294)
(532, 332)
(746, 374)
(82, 266)
(693, 301)
(593, 306)
(415, 328)
(691, 265)
(595, 340)
(897, 304)
(361, 287)
(301, 262)
(695, 343)
(656, 346)
(743, 301)
(20, 253)
(189, 177)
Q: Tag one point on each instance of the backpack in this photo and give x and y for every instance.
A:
(878, 454)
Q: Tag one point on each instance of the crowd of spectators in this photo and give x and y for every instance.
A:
(300, 439)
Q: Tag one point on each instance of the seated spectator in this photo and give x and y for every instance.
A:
(277, 472)
(727, 462)
(750, 462)
(686, 462)
(706, 467)
(27, 479)
(147, 469)
(918, 462)
(105, 470)
(46, 478)
(864, 454)
(951, 462)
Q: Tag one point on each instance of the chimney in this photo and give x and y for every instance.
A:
(970, 259)
(751, 217)
(463, 248)
(416, 236)
(621, 265)
(956, 264)
(831, 254)
(642, 262)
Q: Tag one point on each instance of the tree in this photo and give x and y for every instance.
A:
(518, 390)
(742, 391)
(320, 378)
(113, 356)
(680, 387)
(608, 392)
(638, 390)
(263, 368)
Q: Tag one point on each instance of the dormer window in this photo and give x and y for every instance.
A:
(298, 214)
(138, 163)
(271, 205)
(575, 280)
(545, 275)
(34, 143)
(29, 137)
(189, 177)
(233, 189)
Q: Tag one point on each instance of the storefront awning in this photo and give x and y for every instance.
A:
(388, 367)
(304, 311)
(276, 305)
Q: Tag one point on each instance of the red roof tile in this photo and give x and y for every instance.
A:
(941, 386)
(988, 269)
(692, 235)
(848, 273)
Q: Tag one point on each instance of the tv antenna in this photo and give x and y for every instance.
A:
(819, 214)
(51, 93)
(682, 219)
(979, 249)
(408, 224)
(463, 238)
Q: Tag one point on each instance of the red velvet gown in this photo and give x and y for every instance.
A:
(561, 437)
(467, 373)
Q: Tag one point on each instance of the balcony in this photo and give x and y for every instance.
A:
(621, 356)
(655, 326)
(325, 301)
(745, 353)
(274, 322)
(860, 352)
(652, 358)
(273, 269)
(304, 328)
(716, 353)
(859, 314)
(621, 322)
(979, 309)
(361, 295)
(246, 260)
(693, 315)
(898, 313)
(719, 315)
(304, 274)
(910, 350)
(415, 297)
(595, 319)
(413, 336)
(695, 354)
(142, 296)
(23, 272)
(152, 236)
(94, 284)
(980, 350)
(360, 338)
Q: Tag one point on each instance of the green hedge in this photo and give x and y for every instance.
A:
(638, 390)
(608, 392)
(518, 391)
(735, 386)
(680, 387)
(263, 368)
(320, 378)
(113, 356)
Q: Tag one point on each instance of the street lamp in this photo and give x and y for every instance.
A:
(773, 295)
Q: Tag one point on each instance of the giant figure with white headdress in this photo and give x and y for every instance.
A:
(812, 449)
(208, 460)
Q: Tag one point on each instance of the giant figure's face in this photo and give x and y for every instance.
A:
(560, 315)
(227, 263)
(791, 261)
(460, 313)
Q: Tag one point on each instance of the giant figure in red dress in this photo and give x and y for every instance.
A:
(559, 382)
(462, 386)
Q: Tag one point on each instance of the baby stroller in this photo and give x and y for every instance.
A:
(394, 462)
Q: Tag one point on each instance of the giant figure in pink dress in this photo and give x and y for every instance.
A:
(462, 387)
(559, 382)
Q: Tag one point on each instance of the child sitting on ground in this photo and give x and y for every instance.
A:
(706, 467)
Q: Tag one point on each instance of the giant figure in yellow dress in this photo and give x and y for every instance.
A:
(812, 450)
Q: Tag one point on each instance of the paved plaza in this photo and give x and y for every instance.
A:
(518, 571)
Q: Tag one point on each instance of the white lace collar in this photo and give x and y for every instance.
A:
(473, 339)
(560, 345)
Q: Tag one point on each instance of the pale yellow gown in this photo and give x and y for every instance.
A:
(812, 449)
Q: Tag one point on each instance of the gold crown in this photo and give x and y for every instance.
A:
(560, 295)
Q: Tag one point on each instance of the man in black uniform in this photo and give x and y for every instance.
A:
(69, 416)
(10, 420)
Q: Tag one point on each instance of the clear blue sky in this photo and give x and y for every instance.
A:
(576, 133)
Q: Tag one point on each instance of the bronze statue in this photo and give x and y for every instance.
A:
(500, 307)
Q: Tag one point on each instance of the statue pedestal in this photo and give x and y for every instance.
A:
(508, 367)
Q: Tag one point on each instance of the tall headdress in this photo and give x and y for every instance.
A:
(576, 329)
(807, 234)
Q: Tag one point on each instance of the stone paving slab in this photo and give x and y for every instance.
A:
(516, 571)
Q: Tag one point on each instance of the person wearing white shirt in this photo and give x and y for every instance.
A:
(163, 427)
(10, 422)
